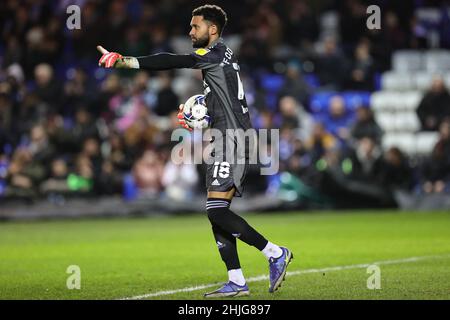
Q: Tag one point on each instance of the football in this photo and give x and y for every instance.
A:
(195, 112)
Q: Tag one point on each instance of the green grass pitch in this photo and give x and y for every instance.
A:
(121, 258)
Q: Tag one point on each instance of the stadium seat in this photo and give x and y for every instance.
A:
(428, 15)
(378, 100)
(397, 81)
(272, 82)
(386, 121)
(411, 100)
(406, 121)
(425, 142)
(404, 101)
(354, 99)
(407, 60)
(385, 100)
(423, 80)
(437, 60)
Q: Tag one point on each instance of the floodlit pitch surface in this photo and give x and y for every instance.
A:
(176, 257)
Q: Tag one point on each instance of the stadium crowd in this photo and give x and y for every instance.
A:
(69, 128)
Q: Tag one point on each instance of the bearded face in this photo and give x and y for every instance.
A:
(200, 32)
(201, 42)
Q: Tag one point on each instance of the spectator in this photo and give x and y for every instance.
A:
(147, 172)
(435, 105)
(393, 32)
(56, 183)
(319, 142)
(436, 169)
(109, 181)
(116, 153)
(338, 119)
(179, 180)
(127, 105)
(300, 162)
(167, 100)
(361, 75)
(47, 88)
(397, 173)
(365, 125)
(40, 148)
(367, 161)
(295, 85)
(352, 22)
(77, 91)
(24, 175)
(254, 52)
(109, 88)
(85, 125)
(332, 66)
(6, 116)
(14, 51)
(91, 149)
(294, 116)
(287, 136)
(301, 27)
(81, 181)
(418, 34)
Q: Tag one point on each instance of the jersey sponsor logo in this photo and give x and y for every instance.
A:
(215, 183)
(201, 51)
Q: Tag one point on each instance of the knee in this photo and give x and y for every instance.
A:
(216, 209)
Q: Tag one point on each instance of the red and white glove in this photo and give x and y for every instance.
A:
(108, 59)
(181, 120)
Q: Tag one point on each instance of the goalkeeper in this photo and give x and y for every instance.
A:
(228, 108)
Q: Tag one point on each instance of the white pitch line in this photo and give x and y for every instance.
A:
(288, 274)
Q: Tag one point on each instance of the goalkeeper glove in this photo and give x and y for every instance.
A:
(116, 60)
(181, 119)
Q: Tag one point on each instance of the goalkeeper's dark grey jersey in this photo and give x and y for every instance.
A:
(225, 96)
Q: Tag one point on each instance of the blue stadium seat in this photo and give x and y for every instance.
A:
(354, 99)
(272, 82)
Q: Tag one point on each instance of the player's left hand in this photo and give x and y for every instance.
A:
(181, 120)
(108, 59)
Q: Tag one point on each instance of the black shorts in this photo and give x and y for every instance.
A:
(223, 176)
(225, 171)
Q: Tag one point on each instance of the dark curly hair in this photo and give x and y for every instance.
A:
(214, 14)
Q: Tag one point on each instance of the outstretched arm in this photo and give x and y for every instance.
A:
(160, 61)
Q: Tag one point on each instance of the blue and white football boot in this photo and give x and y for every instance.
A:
(277, 269)
(229, 289)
